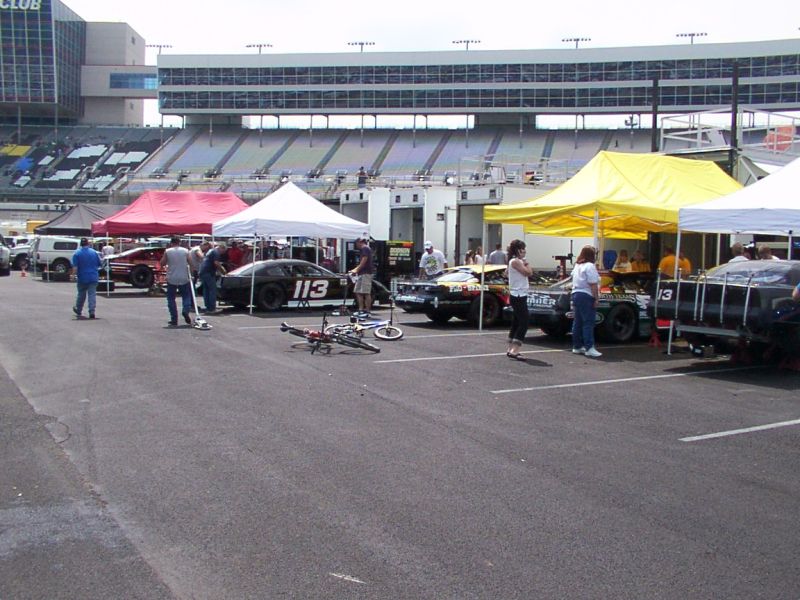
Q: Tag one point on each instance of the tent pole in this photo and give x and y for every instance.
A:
(677, 254)
(483, 277)
(719, 241)
(703, 253)
(595, 241)
(253, 273)
(108, 273)
(789, 247)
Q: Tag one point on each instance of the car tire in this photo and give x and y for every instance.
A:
(620, 324)
(20, 262)
(438, 317)
(61, 266)
(270, 297)
(556, 330)
(141, 277)
(491, 310)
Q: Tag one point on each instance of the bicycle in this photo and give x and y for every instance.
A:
(321, 339)
(383, 330)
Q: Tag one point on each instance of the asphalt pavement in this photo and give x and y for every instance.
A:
(142, 461)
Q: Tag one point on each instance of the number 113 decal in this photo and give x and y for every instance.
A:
(307, 288)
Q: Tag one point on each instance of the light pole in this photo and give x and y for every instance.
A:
(361, 44)
(632, 121)
(577, 40)
(259, 46)
(466, 43)
(159, 46)
(691, 35)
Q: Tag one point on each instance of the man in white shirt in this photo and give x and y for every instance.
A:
(432, 262)
(738, 252)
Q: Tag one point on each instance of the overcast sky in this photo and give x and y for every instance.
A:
(225, 27)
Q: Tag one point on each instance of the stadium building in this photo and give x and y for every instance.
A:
(71, 119)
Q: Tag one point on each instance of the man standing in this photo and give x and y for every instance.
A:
(86, 261)
(432, 262)
(737, 250)
(363, 272)
(176, 261)
(196, 256)
(208, 275)
(498, 257)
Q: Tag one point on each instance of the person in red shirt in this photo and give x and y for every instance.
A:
(234, 256)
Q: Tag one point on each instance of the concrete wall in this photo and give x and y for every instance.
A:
(113, 111)
(113, 44)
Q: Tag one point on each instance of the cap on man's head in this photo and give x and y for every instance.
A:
(428, 244)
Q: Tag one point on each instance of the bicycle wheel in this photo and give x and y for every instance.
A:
(354, 342)
(389, 333)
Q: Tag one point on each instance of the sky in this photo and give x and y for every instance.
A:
(226, 27)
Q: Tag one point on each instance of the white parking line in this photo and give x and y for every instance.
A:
(435, 335)
(460, 356)
(709, 436)
(621, 380)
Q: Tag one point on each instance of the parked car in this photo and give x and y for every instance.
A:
(621, 311)
(457, 293)
(5, 258)
(139, 267)
(747, 302)
(19, 256)
(288, 282)
(53, 253)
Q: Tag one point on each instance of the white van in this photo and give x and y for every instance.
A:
(54, 252)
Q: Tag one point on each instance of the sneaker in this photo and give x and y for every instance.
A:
(172, 323)
(187, 319)
(593, 353)
(579, 350)
(75, 310)
(91, 315)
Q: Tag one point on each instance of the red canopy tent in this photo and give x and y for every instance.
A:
(166, 213)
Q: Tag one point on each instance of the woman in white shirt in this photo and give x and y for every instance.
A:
(518, 273)
(585, 295)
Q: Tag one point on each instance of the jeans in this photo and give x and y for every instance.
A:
(584, 321)
(83, 290)
(186, 299)
(519, 322)
(209, 290)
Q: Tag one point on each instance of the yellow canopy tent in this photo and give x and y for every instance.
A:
(619, 195)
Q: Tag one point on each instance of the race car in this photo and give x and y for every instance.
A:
(457, 292)
(746, 303)
(293, 283)
(621, 310)
(138, 266)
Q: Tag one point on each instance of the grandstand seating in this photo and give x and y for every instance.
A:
(124, 162)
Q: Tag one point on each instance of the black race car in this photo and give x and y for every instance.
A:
(621, 310)
(747, 302)
(457, 294)
(292, 283)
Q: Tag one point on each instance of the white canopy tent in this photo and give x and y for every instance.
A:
(289, 211)
(769, 206)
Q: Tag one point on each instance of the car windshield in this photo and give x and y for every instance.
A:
(457, 276)
(763, 272)
(135, 250)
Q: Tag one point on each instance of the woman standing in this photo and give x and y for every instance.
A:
(518, 273)
(477, 257)
(585, 294)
